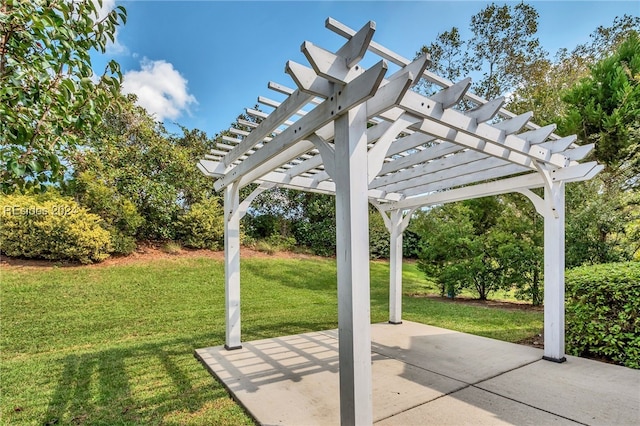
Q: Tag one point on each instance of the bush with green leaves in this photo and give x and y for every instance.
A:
(49, 226)
(202, 226)
(120, 216)
(603, 312)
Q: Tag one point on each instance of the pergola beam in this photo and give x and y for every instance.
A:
(343, 99)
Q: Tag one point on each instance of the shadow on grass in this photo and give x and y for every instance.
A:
(145, 383)
(132, 385)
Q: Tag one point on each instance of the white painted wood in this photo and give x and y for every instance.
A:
(539, 135)
(570, 173)
(305, 166)
(353, 50)
(486, 112)
(246, 203)
(308, 81)
(328, 65)
(515, 124)
(378, 153)
(327, 152)
(554, 253)
(292, 104)
(559, 145)
(445, 164)
(232, 267)
(352, 254)
(354, 93)
(422, 156)
(503, 186)
(445, 180)
(422, 152)
(577, 154)
(451, 95)
(346, 32)
(303, 183)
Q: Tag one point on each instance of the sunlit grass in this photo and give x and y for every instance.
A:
(114, 344)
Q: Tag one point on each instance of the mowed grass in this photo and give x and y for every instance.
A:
(114, 344)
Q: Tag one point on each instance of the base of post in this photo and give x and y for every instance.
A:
(556, 360)
(232, 348)
(395, 322)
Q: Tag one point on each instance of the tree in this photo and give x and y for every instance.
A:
(504, 47)
(460, 246)
(154, 170)
(48, 100)
(447, 58)
(605, 106)
(517, 241)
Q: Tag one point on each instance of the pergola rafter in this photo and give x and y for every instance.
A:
(366, 137)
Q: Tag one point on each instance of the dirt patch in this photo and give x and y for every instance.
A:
(500, 304)
(537, 341)
(147, 253)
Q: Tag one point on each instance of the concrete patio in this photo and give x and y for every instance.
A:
(425, 375)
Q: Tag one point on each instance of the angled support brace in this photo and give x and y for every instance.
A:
(244, 205)
(396, 223)
(378, 152)
(327, 152)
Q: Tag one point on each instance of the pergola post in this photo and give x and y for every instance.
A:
(232, 266)
(352, 242)
(554, 338)
(395, 268)
(396, 223)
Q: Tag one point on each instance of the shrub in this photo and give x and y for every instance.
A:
(603, 312)
(120, 216)
(52, 227)
(378, 237)
(202, 226)
(275, 243)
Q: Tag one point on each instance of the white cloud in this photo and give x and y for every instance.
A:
(160, 88)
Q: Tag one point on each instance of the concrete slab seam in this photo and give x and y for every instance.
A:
(529, 405)
(476, 385)
(427, 402)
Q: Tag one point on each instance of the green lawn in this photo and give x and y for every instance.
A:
(114, 344)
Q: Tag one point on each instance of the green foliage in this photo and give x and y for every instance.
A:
(48, 100)
(605, 106)
(120, 215)
(600, 218)
(603, 312)
(503, 47)
(203, 225)
(275, 243)
(157, 172)
(448, 246)
(486, 244)
(316, 228)
(378, 236)
(517, 244)
(51, 227)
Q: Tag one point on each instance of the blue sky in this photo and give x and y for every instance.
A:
(200, 63)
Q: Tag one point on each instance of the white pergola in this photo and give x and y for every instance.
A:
(364, 136)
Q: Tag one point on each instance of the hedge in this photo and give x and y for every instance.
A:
(51, 227)
(603, 312)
